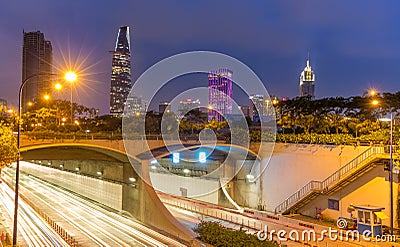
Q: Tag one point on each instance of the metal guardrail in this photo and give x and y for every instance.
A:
(355, 163)
(336, 176)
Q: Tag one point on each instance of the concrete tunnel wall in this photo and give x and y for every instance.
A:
(139, 200)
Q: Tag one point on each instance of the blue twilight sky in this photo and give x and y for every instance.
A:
(354, 44)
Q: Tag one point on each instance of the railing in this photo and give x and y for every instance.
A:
(355, 163)
(319, 186)
(310, 186)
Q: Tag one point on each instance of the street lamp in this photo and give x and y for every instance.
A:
(372, 92)
(58, 86)
(71, 76)
(24, 82)
(376, 102)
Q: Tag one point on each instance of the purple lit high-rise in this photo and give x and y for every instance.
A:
(219, 94)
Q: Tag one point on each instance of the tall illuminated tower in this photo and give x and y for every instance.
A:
(219, 94)
(37, 59)
(307, 80)
(257, 107)
(121, 73)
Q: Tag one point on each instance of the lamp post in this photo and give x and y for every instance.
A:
(391, 169)
(391, 172)
(24, 82)
(376, 102)
(70, 76)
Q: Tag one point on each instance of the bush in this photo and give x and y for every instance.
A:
(333, 139)
(219, 236)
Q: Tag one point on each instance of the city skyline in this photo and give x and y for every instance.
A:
(275, 45)
(194, 123)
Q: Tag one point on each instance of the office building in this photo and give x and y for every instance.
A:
(245, 110)
(307, 80)
(219, 94)
(121, 73)
(257, 107)
(3, 104)
(37, 61)
(134, 106)
(163, 106)
(187, 105)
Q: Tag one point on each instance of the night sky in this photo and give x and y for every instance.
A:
(354, 45)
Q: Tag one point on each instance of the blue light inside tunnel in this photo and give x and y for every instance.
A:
(175, 158)
(202, 157)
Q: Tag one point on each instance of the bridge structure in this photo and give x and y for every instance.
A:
(102, 171)
(350, 177)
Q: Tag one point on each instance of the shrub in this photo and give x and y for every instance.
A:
(333, 139)
(219, 236)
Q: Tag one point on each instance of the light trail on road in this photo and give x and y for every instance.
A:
(90, 223)
(34, 230)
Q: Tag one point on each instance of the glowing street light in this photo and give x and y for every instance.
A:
(58, 86)
(46, 97)
(375, 102)
(250, 177)
(372, 92)
(71, 77)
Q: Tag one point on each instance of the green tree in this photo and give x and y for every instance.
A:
(8, 145)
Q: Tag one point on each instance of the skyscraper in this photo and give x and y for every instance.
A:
(121, 73)
(245, 110)
(163, 106)
(37, 58)
(3, 105)
(187, 105)
(219, 94)
(307, 80)
(257, 107)
(134, 106)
